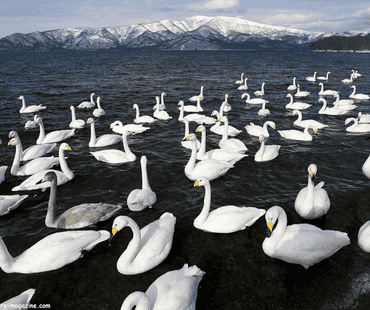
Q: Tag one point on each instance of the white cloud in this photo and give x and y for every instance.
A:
(215, 5)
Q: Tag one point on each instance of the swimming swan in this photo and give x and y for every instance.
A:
(244, 86)
(149, 246)
(253, 100)
(31, 124)
(257, 131)
(293, 134)
(53, 136)
(31, 108)
(21, 299)
(210, 168)
(10, 202)
(308, 122)
(226, 105)
(363, 237)
(219, 129)
(225, 219)
(75, 123)
(260, 92)
(176, 289)
(194, 117)
(160, 114)
(293, 86)
(78, 216)
(118, 127)
(231, 144)
(87, 104)
(339, 102)
(300, 93)
(328, 92)
(356, 126)
(142, 119)
(348, 81)
(52, 252)
(187, 143)
(139, 199)
(200, 96)
(104, 140)
(114, 156)
(358, 96)
(302, 244)
(325, 78)
(162, 106)
(312, 201)
(99, 111)
(312, 78)
(266, 152)
(363, 117)
(238, 82)
(330, 111)
(296, 105)
(194, 108)
(32, 183)
(263, 111)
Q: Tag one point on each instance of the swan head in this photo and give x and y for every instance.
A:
(90, 120)
(14, 134)
(14, 141)
(200, 128)
(261, 138)
(64, 146)
(143, 160)
(350, 119)
(116, 123)
(119, 223)
(321, 100)
(312, 170)
(296, 112)
(49, 177)
(21, 97)
(135, 106)
(202, 181)
(271, 217)
(39, 120)
(215, 113)
(191, 137)
(181, 102)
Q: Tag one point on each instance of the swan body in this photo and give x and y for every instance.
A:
(293, 86)
(31, 167)
(104, 140)
(257, 131)
(356, 74)
(266, 152)
(363, 237)
(2, 173)
(348, 81)
(260, 92)
(32, 183)
(263, 111)
(31, 124)
(219, 129)
(231, 144)
(142, 119)
(218, 154)
(308, 122)
(160, 114)
(194, 117)
(363, 118)
(324, 78)
(358, 96)
(31, 108)
(10, 202)
(210, 168)
(300, 93)
(118, 127)
(52, 252)
(176, 289)
(356, 126)
(79, 216)
(328, 92)
(339, 102)
(33, 151)
(187, 143)
(293, 134)
(312, 201)
(296, 105)
(366, 167)
(21, 299)
(200, 96)
(330, 111)
(238, 82)
(149, 246)
(253, 100)
(225, 219)
(302, 244)
(53, 136)
(194, 108)
(312, 78)
(87, 104)
(114, 156)
(98, 112)
(226, 106)
(139, 199)
(75, 123)
(244, 86)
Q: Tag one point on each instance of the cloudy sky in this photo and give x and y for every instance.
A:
(24, 16)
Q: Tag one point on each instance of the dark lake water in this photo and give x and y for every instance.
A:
(239, 275)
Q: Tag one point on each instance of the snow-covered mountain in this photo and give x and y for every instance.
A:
(197, 32)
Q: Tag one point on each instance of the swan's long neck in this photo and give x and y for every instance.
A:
(129, 255)
(265, 130)
(181, 116)
(144, 176)
(63, 164)
(354, 91)
(225, 134)
(92, 133)
(198, 103)
(221, 113)
(202, 217)
(50, 215)
(191, 163)
(310, 187)
(263, 87)
(187, 132)
(73, 114)
(125, 145)
(92, 98)
(6, 260)
(162, 99)
(202, 149)
(23, 103)
(322, 87)
(201, 91)
(98, 103)
(263, 147)
(137, 111)
(42, 132)
(291, 99)
(280, 228)
(324, 104)
(294, 81)
(17, 159)
(137, 299)
(299, 119)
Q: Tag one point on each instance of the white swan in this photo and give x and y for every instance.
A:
(76, 123)
(296, 105)
(302, 244)
(32, 183)
(2, 173)
(139, 199)
(363, 117)
(200, 96)
(327, 92)
(348, 81)
(308, 122)
(187, 143)
(312, 201)
(300, 93)
(10, 202)
(87, 104)
(225, 219)
(176, 289)
(244, 86)
(118, 127)
(263, 111)
(33, 151)
(114, 156)
(21, 300)
(31, 124)
(52, 252)
(53, 136)
(257, 131)
(194, 117)
(293, 86)
(312, 78)
(260, 92)
(227, 105)
(103, 140)
(238, 82)
(210, 168)
(218, 154)
(358, 96)
(363, 237)
(293, 134)
(149, 246)
(31, 167)
(366, 167)
(231, 144)
(266, 152)
(253, 100)
(193, 108)
(330, 111)
(31, 108)
(160, 114)
(356, 126)
(324, 78)
(219, 129)
(356, 74)
(99, 111)
(142, 119)
(339, 102)
(347, 107)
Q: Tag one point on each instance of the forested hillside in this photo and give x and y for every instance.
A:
(355, 43)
